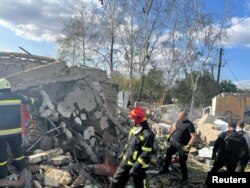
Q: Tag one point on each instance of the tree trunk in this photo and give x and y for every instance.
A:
(141, 88)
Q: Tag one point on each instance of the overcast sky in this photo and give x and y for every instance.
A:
(34, 25)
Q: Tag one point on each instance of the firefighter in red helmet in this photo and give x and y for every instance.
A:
(137, 154)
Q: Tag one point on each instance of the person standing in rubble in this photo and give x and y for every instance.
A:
(181, 137)
(245, 158)
(138, 151)
(229, 147)
(10, 127)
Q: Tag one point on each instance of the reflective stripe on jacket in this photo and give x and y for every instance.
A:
(10, 111)
(139, 147)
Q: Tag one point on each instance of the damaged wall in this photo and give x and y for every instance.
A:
(77, 106)
(230, 105)
(12, 63)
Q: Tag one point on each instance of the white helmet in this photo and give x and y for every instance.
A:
(4, 84)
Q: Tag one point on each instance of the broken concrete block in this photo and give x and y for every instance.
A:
(67, 133)
(83, 117)
(54, 152)
(60, 160)
(89, 132)
(98, 114)
(220, 125)
(207, 118)
(36, 158)
(66, 107)
(78, 120)
(55, 177)
(208, 133)
(104, 123)
(205, 152)
(161, 129)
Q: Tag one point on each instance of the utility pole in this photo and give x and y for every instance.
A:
(219, 66)
(24, 50)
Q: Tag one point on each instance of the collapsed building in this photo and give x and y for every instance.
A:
(74, 114)
(72, 136)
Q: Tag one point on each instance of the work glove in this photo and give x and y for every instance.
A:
(168, 136)
(134, 170)
(186, 148)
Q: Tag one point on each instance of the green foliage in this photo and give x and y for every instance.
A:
(121, 80)
(126, 84)
(227, 86)
(182, 91)
(154, 86)
(206, 90)
(153, 89)
(246, 91)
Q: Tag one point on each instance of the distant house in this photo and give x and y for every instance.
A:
(232, 105)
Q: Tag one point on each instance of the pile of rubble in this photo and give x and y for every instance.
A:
(72, 121)
(74, 134)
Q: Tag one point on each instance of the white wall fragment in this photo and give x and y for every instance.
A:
(83, 116)
(90, 131)
(103, 122)
(98, 114)
(78, 120)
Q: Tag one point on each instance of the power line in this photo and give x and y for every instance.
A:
(235, 76)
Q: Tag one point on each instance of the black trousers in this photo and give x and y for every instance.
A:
(242, 164)
(224, 161)
(182, 160)
(15, 142)
(121, 177)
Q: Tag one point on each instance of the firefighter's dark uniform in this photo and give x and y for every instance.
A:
(10, 129)
(136, 158)
(225, 157)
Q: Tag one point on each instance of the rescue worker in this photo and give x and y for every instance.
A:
(181, 137)
(10, 127)
(245, 158)
(227, 150)
(137, 154)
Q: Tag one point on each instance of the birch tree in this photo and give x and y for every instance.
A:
(200, 36)
(79, 37)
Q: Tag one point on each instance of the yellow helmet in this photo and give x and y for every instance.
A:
(4, 84)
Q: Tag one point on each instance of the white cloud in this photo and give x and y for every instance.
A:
(238, 33)
(35, 20)
(243, 84)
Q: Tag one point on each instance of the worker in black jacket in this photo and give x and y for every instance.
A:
(181, 137)
(10, 127)
(228, 149)
(138, 153)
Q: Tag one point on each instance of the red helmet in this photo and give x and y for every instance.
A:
(138, 115)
